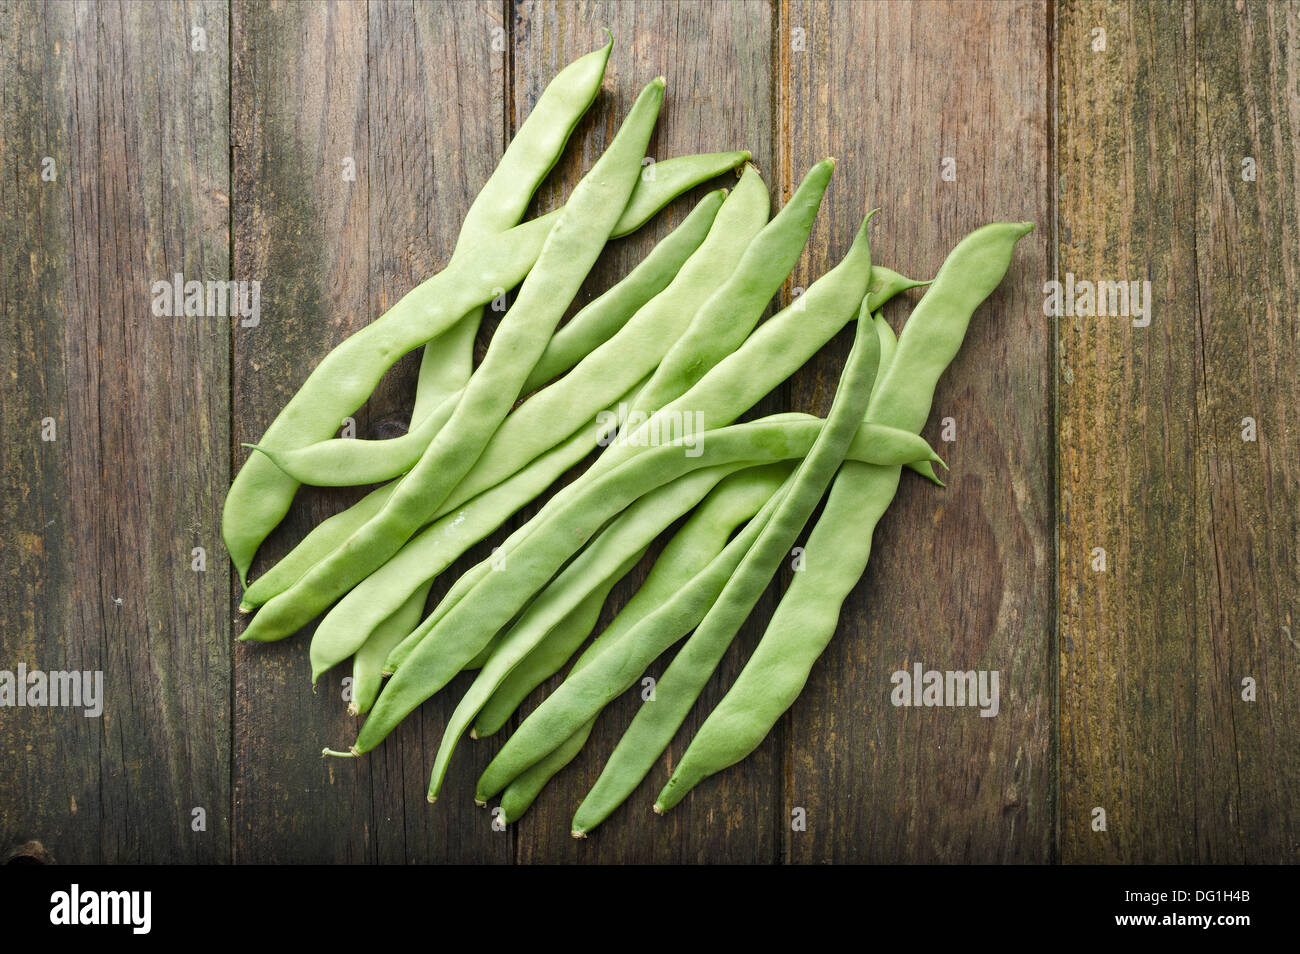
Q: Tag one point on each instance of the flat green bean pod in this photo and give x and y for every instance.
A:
(340, 462)
(570, 250)
(839, 546)
(657, 721)
(704, 535)
(261, 493)
(349, 625)
(626, 536)
(466, 628)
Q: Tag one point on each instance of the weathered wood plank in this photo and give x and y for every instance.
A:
(130, 103)
(1199, 526)
(437, 91)
(299, 110)
(716, 59)
(960, 578)
(1248, 499)
(1127, 398)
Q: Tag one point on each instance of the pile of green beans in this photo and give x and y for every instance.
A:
(651, 377)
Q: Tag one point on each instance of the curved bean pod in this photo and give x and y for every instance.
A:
(351, 622)
(567, 255)
(340, 462)
(840, 544)
(459, 635)
(704, 535)
(657, 721)
(261, 493)
(627, 535)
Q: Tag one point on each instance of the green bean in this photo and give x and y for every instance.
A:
(568, 254)
(704, 535)
(770, 355)
(928, 343)
(445, 367)
(629, 355)
(456, 637)
(609, 673)
(546, 660)
(367, 664)
(255, 506)
(657, 721)
(413, 569)
(627, 535)
(341, 462)
(313, 548)
(840, 544)
(727, 318)
(341, 383)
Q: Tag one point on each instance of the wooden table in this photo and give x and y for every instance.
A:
(1117, 539)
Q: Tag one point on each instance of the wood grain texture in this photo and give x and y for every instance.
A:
(1072, 433)
(300, 107)
(1199, 526)
(960, 578)
(102, 520)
